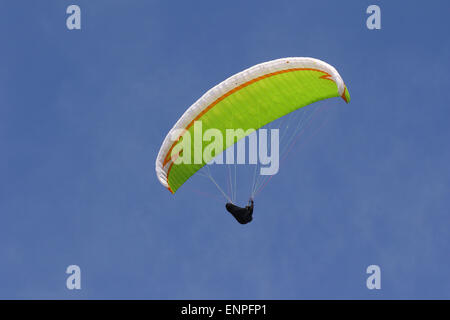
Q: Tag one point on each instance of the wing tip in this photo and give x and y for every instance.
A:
(346, 95)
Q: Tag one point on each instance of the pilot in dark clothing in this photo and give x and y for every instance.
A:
(242, 215)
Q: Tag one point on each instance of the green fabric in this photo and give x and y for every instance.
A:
(256, 105)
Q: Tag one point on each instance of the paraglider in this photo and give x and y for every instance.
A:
(246, 101)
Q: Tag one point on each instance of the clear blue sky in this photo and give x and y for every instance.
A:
(83, 114)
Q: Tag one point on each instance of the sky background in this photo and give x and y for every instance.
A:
(83, 115)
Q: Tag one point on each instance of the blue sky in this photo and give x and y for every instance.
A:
(83, 114)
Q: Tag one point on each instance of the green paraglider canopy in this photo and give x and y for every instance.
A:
(248, 100)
